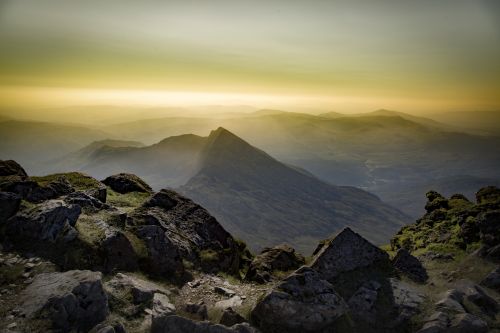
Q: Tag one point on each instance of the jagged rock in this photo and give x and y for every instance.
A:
(176, 324)
(51, 221)
(492, 280)
(163, 255)
(475, 294)
(362, 304)
(467, 323)
(281, 257)
(11, 168)
(188, 229)
(199, 310)
(142, 291)
(407, 301)
(9, 205)
(52, 190)
(15, 184)
(129, 295)
(436, 323)
(85, 201)
(346, 252)
(466, 292)
(126, 182)
(73, 300)
(164, 199)
(303, 302)
(489, 227)
(118, 252)
(162, 305)
(100, 193)
(410, 266)
(230, 317)
(487, 194)
(451, 302)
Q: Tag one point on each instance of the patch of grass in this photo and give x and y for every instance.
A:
(132, 199)
(208, 256)
(78, 180)
(88, 231)
(230, 278)
(137, 244)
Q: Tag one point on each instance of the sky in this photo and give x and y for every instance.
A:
(339, 55)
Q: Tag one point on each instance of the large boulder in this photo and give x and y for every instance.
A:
(177, 324)
(51, 221)
(71, 301)
(118, 252)
(347, 252)
(409, 266)
(281, 257)
(53, 189)
(303, 302)
(230, 317)
(11, 168)
(126, 182)
(163, 257)
(129, 296)
(170, 222)
(9, 205)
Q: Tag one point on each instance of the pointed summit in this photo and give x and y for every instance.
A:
(266, 202)
(346, 252)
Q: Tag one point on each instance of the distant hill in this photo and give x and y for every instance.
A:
(480, 122)
(390, 113)
(32, 143)
(168, 163)
(266, 202)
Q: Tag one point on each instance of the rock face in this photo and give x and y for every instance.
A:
(281, 257)
(72, 301)
(346, 252)
(11, 168)
(51, 221)
(129, 296)
(409, 266)
(489, 227)
(176, 324)
(303, 302)
(230, 318)
(163, 255)
(9, 205)
(173, 226)
(460, 310)
(126, 182)
(52, 190)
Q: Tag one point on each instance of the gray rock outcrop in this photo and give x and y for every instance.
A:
(71, 301)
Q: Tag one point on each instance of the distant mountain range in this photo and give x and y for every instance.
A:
(384, 152)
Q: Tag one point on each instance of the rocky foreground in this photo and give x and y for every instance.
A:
(80, 255)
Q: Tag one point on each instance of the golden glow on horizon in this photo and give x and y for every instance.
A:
(46, 97)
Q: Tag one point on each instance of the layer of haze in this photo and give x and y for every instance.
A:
(349, 56)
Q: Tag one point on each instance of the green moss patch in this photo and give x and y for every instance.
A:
(78, 180)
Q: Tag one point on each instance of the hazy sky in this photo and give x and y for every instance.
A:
(344, 55)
